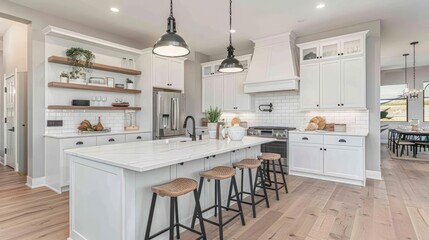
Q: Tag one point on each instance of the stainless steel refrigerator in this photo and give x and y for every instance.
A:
(168, 114)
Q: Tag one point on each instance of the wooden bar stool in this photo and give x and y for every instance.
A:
(174, 189)
(268, 158)
(218, 174)
(250, 164)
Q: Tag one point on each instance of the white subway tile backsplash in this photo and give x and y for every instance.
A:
(287, 113)
(73, 118)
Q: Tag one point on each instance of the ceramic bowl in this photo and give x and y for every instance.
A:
(236, 133)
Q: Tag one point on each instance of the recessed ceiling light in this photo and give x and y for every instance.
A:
(232, 30)
(320, 5)
(113, 9)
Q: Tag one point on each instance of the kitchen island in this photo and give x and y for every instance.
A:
(110, 186)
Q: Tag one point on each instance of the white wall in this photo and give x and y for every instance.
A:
(36, 71)
(15, 48)
(415, 107)
(193, 85)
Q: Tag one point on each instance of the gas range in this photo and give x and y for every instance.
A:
(270, 131)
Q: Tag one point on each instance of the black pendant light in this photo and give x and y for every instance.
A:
(406, 92)
(230, 64)
(171, 44)
(414, 93)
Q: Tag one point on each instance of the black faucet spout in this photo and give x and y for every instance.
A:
(193, 135)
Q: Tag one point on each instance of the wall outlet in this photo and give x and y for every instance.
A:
(55, 123)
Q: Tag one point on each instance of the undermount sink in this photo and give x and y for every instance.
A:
(174, 140)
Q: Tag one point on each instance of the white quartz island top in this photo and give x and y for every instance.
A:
(149, 155)
(321, 132)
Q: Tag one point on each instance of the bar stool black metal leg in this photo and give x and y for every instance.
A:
(228, 204)
(275, 180)
(219, 201)
(151, 211)
(233, 181)
(172, 218)
(242, 184)
(283, 175)
(200, 188)
(215, 200)
(176, 207)
(200, 214)
(267, 172)
(263, 186)
(252, 193)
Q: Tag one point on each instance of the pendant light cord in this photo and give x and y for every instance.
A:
(406, 81)
(171, 8)
(414, 65)
(230, 22)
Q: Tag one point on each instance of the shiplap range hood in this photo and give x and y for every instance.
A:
(274, 65)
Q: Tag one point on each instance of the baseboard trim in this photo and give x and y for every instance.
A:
(383, 141)
(35, 182)
(373, 175)
(2, 161)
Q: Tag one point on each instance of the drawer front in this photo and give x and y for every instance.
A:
(137, 137)
(344, 141)
(79, 142)
(112, 139)
(306, 138)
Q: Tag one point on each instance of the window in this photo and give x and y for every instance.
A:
(426, 102)
(392, 102)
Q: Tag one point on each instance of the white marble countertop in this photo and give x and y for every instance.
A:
(321, 132)
(76, 134)
(148, 155)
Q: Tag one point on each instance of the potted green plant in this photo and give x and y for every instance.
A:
(213, 115)
(64, 77)
(81, 59)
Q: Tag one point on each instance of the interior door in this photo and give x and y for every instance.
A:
(10, 106)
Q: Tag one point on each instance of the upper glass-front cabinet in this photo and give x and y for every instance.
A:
(352, 46)
(330, 49)
(309, 53)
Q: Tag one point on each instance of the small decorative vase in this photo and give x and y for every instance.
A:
(212, 126)
(99, 126)
(64, 79)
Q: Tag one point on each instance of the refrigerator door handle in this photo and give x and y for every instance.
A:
(174, 117)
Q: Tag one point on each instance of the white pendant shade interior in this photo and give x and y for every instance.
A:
(171, 44)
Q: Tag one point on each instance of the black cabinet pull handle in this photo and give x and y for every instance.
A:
(111, 140)
(181, 164)
(138, 137)
(339, 104)
(342, 104)
(342, 140)
(79, 143)
(317, 105)
(324, 149)
(213, 156)
(321, 149)
(339, 54)
(305, 138)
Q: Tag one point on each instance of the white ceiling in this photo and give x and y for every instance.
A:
(204, 23)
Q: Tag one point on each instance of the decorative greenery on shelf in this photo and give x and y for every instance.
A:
(64, 74)
(213, 114)
(81, 59)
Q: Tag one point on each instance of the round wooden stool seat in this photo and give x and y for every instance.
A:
(175, 188)
(248, 163)
(270, 156)
(219, 173)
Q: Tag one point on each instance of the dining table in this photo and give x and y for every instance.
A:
(418, 137)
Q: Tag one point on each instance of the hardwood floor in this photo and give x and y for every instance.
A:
(396, 208)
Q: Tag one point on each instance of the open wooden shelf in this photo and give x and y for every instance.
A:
(92, 88)
(68, 107)
(97, 66)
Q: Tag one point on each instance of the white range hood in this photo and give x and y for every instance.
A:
(274, 65)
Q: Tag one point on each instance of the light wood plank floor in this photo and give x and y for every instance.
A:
(396, 208)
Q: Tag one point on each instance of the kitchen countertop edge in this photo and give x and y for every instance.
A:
(356, 134)
(78, 135)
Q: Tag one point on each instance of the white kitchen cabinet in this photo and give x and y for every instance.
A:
(306, 157)
(225, 91)
(336, 77)
(309, 86)
(212, 92)
(138, 137)
(330, 84)
(168, 73)
(353, 84)
(338, 158)
(57, 165)
(234, 97)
